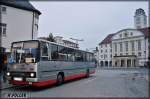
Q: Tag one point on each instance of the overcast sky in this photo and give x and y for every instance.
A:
(91, 21)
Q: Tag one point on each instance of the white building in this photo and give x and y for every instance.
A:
(19, 21)
(130, 48)
(67, 43)
(105, 51)
(127, 47)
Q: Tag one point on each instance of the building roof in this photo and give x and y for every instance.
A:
(21, 4)
(107, 39)
(139, 11)
(145, 31)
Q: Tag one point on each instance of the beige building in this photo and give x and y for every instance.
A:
(18, 21)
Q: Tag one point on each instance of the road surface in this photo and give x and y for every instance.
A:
(104, 83)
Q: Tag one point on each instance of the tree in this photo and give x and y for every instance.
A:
(51, 38)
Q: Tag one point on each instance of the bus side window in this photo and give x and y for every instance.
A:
(71, 54)
(44, 51)
(79, 56)
(49, 51)
(87, 57)
(54, 52)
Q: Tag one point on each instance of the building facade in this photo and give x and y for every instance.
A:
(127, 47)
(105, 51)
(130, 48)
(19, 21)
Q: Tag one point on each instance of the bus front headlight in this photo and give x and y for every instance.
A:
(8, 73)
(32, 74)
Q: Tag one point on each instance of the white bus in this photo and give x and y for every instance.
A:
(41, 63)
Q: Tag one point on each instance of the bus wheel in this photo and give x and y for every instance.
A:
(60, 79)
(87, 73)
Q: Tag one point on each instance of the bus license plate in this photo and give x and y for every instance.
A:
(17, 79)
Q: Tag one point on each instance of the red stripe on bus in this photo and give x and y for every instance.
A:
(44, 83)
(14, 82)
(75, 76)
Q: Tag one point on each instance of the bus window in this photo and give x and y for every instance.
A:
(62, 53)
(44, 51)
(71, 54)
(54, 52)
(78, 56)
(88, 57)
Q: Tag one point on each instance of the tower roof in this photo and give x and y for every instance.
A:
(139, 11)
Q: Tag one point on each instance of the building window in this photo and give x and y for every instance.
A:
(101, 51)
(105, 56)
(139, 44)
(106, 50)
(131, 34)
(115, 47)
(105, 45)
(126, 34)
(126, 44)
(36, 25)
(137, 19)
(101, 56)
(110, 45)
(126, 53)
(116, 54)
(101, 46)
(139, 53)
(120, 54)
(120, 46)
(132, 44)
(110, 55)
(120, 35)
(138, 27)
(110, 50)
(3, 29)
(133, 53)
(3, 9)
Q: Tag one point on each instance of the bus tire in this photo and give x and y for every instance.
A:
(60, 79)
(87, 73)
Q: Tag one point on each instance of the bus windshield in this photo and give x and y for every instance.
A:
(25, 52)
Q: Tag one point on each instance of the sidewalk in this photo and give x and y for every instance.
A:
(3, 84)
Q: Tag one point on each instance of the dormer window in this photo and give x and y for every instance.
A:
(126, 34)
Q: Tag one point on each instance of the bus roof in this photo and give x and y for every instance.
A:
(51, 43)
